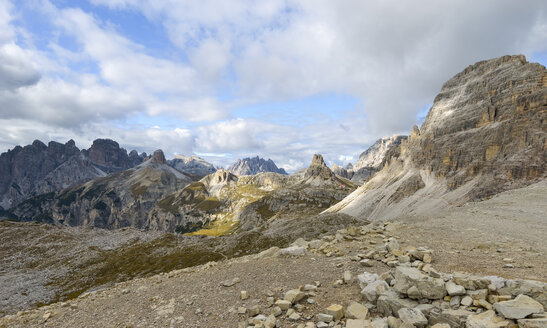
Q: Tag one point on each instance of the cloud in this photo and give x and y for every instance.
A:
(390, 56)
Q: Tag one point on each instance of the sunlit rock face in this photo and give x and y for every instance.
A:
(485, 133)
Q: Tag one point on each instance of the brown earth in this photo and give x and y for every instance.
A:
(464, 239)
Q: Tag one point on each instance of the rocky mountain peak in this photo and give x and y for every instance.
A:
(38, 144)
(254, 165)
(484, 134)
(159, 157)
(318, 160)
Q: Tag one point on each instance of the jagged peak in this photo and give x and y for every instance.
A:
(158, 157)
(318, 160)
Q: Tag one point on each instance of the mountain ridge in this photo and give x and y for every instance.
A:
(254, 165)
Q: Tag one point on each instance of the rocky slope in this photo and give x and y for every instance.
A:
(121, 199)
(37, 169)
(224, 203)
(193, 166)
(255, 165)
(486, 132)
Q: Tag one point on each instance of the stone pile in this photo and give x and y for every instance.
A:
(411, 294)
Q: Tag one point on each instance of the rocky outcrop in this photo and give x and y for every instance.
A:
(255, 165)
(486, 132)
(37, 169)
(193, 166)
(121, 199)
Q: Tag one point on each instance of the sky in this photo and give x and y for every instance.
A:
(280, 79)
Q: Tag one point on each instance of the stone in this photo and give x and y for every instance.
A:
(230, 283)
(466, 301)
(253, 310)
(478, 294)
(427, 258)
(393, 322)
(294, 316)
(241, 310)
(379, 323)
(292, 251)
(366, 278)
(455, 302)
(270, 322)
(413, 317)
(323, 317)
(336, 310)
(519, 308)
(374, 289)
(357, 323)
(533, 323)
(322, 324)
(484, 304)
(276, 311)
(487, 319)
(356, 311)
(471, 282)
(389, 303)
(283, 304)
(430, 288)
(294, 295)
(425, 308)
(366, 263)
(441, 325)
(392, 245)
(244, 295)
(453, 289)
(455, 318)
(348, 277)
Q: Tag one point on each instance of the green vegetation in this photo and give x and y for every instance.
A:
(209, 204)
(138, 260)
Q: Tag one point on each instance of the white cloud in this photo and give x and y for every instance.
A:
(391, 56)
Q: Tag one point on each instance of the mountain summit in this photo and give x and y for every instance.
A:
(255, 165)
(485, 133)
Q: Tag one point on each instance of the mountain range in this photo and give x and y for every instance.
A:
(485, 133)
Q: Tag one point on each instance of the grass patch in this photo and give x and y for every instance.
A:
(209, 204)
(216, 228)
(138, 190)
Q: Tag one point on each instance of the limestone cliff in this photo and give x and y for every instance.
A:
(486, 132)
(192, 165)
(37, 169)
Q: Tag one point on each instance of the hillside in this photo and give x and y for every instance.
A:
(196, 297)
(486, 132)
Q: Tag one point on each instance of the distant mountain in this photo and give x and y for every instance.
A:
(485, 133)
(255, 165)
(121, 199)
(193, 166)
(369, 161)
(37, 169)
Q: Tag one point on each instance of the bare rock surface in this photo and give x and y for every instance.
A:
(485, 133)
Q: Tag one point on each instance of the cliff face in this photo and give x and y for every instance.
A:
(37, 169)
(485, 133)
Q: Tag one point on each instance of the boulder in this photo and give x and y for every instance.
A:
(519, 308)
(413, 317)
(487, 319)
(356, 311)
(336, 310)
(407, 277)
(389, 303)
(294, 295)
(454, 289)
(358, 323)
(455, 318)
(375, 289)
(533, 323)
